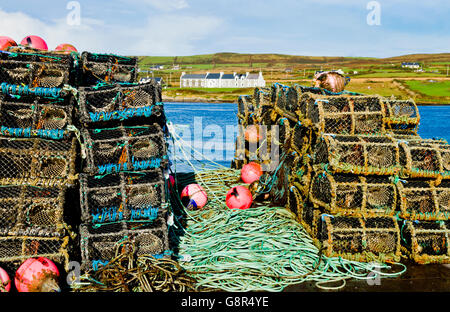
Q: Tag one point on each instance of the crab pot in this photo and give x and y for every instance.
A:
(424, 200)
(425, 159)
(360, 239)
(14, 250)
(261, 96)
(354, 195)
(134, 148)
(401, 116)
(362, 155)
(245, 108)
(123, 197)
(108, 68)
(121, 102)
(38, 162)
(427, 241)
(32, 116)
(100, 244)
(280, 97)
(36, 68)
(301, 138)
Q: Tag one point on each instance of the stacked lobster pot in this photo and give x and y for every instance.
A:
(358, 177)
(123, 184)
(38, 155)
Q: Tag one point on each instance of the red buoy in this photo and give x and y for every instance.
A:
(6, 42)
(66, 47)
(253, 134)
(37, 275)
(239, 197)
(5, 281)
(251, 172)
(35, 42)
(194, 195)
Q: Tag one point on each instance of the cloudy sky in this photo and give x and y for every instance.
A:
(187, 27)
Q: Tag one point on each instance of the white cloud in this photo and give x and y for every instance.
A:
(165, 5)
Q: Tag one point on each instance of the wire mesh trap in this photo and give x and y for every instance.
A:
(360, 239)
(424, 200)
(36, 68)
(427, 241)
(354, 195)
(124, 148)
(126, 196)
(401, 115)
(14, 250)
(245, 108)
(98, 244)
(38, 162)
(27, 210)
(107, 68)
(120, 102)
(32, 116)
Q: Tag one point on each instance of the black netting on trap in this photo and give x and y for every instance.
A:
(360, 239)
(98, 246)
(366, 155)
(123, 148)
(427, 241)
(108, 68)
(38, 162)
(344, 114)
(354, 195)
(261, 96)
(120, 102)
(286, 130)
(14, 250)
(425, 158)
(32, 116)
(401, 115)
(245, 108)
(424, 200)
(302, 138)
(280, 96)
(36, 68)
(128, 197)
(32, 210)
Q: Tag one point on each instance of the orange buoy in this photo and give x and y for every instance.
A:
(251, 172)
(5, 281)
(194, 196)
(239, 197)
(35, 42)
(6, 42)
(253, 134)
(66, 47)
(37, 275)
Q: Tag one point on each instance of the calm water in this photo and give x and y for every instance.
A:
(212, 129)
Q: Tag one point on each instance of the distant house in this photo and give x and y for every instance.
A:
(222, 80)
(176, 67)
(412, 65)
(157, 67)
(159, 80)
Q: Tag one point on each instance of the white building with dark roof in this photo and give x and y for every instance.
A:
(221, 80)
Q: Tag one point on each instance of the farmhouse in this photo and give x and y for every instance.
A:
(222, 80)
(413, 65)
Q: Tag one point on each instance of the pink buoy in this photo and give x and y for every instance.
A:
(239, 197)
(37, 275)
(252, 134)
(5, 281)
(6, 42)
(251, 172)
(35, 42)
(195, 196)
(66, 47)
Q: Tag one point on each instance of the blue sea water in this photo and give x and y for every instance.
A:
(207, 127)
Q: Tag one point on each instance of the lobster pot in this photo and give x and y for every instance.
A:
(261, 96)
(280, 189)
(279, 96)
(120, 102)
(427, 241)
(425, 159)
(100, 244)
(109, 68)
(124, 197)
(14, 250)
(424, 200)
(124, 149)
(27, 210)
(301, 139)
(401, 116)
(350, 115)
(245, 108)
(38, 162)
(285, 130)
(354, 195)
(362, 155)
(36, 68)
(32, 116)
(360, 239)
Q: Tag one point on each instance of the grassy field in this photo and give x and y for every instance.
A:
(385, 76)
